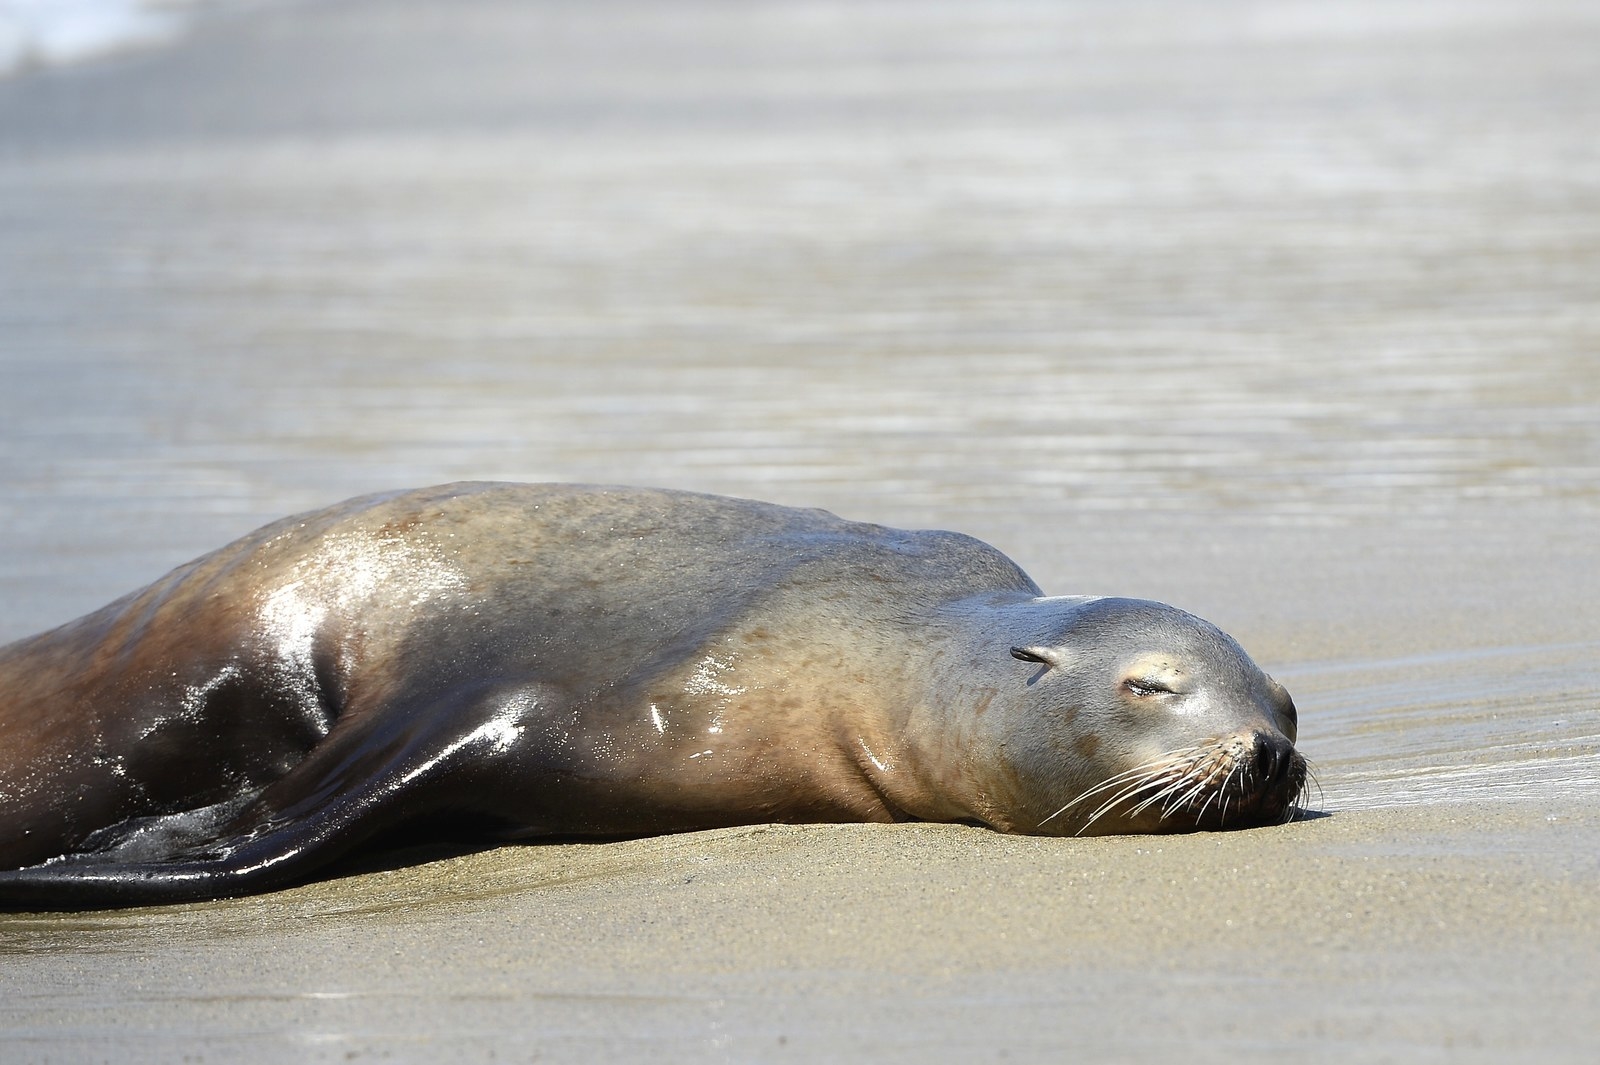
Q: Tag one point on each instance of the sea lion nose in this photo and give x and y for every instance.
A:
(1271, 756)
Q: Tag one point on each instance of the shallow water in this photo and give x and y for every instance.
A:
(1282, 265)
(1288, 315)
(1493, 725)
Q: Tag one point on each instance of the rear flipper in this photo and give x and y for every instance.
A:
(359, 782)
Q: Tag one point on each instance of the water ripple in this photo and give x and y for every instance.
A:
(1519, 723)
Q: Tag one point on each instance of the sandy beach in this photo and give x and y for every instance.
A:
(1288, 315)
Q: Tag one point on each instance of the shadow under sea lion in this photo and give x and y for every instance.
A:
(569, 661)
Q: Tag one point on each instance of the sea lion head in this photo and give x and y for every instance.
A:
(1134, 716)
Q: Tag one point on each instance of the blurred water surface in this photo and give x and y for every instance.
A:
(1281, 261)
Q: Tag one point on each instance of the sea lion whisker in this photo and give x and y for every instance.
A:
(1222, 791)
(1198, 772)
(1168, 758)
(1133, 788)
(1300, 801)
(1202, 777)
(1123, 794)
(1161, 779)
(1169, 782)
(1138, 771)
(1180, 777)
(1160, 798)
(1164, 779)
(1144, 775)
(1309, 780)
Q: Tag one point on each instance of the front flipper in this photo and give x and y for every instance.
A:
(362, 780)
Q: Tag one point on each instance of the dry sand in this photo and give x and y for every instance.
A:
(1287, 314)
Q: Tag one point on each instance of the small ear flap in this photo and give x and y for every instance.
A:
(1045, 656)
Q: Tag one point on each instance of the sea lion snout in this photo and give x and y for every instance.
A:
(1184, 730)
(1273, 755)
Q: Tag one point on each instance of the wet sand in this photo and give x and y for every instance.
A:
(1287, 316)
(1426, 935)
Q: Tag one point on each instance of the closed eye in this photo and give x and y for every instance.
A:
(1144, 686)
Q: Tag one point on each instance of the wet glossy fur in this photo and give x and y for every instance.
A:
(535, 661)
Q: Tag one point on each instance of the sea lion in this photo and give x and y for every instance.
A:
(548, 661)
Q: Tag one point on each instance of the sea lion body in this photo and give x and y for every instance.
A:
(539, 661)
